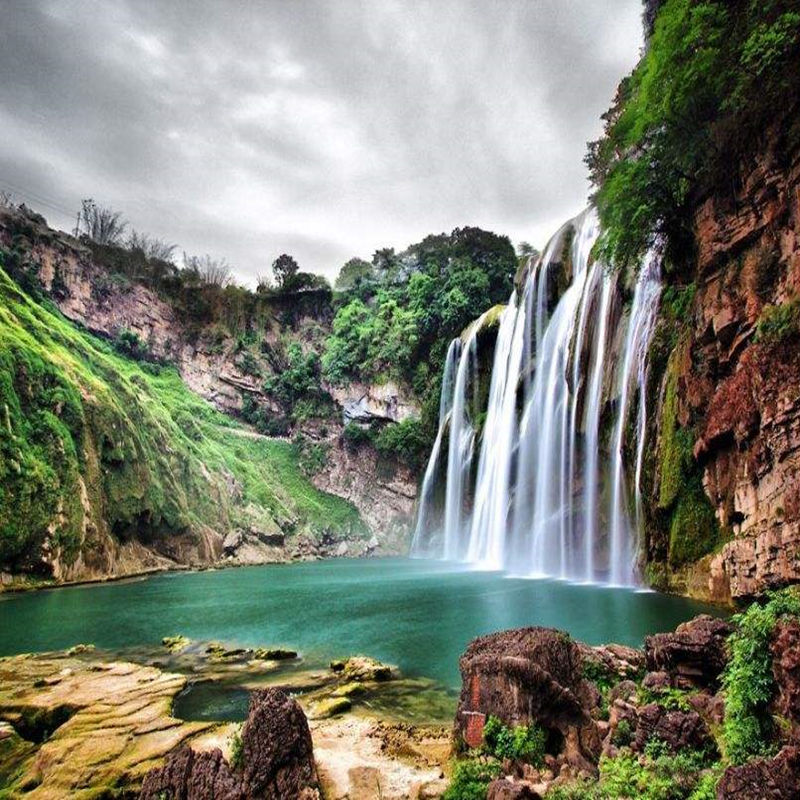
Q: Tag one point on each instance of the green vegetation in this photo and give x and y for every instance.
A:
(779, 323)
(470, 779)
(715, 75)
(404, 440)
(521, 743)
(692, 524)
(749, 685)
(237, 749)
(397, 315)
(83, 425)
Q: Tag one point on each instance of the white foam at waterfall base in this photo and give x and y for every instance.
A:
(537, 505)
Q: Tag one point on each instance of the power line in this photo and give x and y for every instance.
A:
(36, 198)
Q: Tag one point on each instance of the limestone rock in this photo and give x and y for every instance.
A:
(679, 730)
(531, 675)
(505, 789)
(694, 655)
(785, 651)
(362, 668)
(763, 778)
(277, 760)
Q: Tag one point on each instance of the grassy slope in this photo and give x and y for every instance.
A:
(154, 457)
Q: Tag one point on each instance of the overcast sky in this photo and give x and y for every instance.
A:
(321, 128)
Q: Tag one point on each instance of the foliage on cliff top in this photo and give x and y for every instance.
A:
(714, 75)
(398, 315)
(154, 457)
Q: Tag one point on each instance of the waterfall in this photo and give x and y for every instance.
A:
(623, 537)
(545, 500)
(421, 542)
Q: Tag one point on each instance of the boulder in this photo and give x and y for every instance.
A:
(277, 760)
(763, 778)
(331, 707)
(504, 789)
(232, 542)
(679, 730)
(277, 749)
(694, 655)
(530, 675)
(362, 668)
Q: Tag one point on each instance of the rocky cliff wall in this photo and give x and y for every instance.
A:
(737, 373)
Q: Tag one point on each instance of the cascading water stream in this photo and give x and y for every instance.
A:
(622, 536)
(541, 477)
(419, 544)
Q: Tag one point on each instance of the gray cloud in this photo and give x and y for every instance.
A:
(325, 129)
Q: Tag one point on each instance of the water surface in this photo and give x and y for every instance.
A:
(418, 615)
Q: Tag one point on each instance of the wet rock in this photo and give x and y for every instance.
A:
(277, 749)
(362, 668)
(679, 730)
(274, 654)
(657, 681)
(175, 644)
(331, 707)
(763, 778)
(188, 774)
(694, 655)
(530, 675)
(511, 790)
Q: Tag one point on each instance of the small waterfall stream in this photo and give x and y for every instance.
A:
(546, 498)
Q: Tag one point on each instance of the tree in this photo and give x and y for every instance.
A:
(526, 250)
(354, 273)
(284, 267)
(101, 223)
(263, 284)
(208, 270)
(150, 247)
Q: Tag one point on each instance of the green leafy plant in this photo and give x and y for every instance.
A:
(237, 749)
(748, 680)
(520, 743)
(470, 779)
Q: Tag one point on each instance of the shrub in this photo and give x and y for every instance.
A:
(470, 779)
(748, 680)
(520, 743)
(405, 440)
(779, 323)
(237, 749)
(355, 435)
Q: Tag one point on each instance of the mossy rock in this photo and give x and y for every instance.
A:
(352, 689)
(274, 654)
(362, 668)
(175, 644)
(331, 707)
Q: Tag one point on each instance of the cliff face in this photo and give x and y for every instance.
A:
(230, 372)
(740, 377)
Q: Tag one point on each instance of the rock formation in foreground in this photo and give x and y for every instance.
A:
(647, 717)
(277, 760)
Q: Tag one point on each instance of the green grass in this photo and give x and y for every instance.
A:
(150, 457)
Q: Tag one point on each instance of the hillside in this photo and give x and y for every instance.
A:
(111, 465)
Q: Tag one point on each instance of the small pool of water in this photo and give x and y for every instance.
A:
(418, 615)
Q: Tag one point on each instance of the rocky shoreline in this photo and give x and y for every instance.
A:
(711, 709)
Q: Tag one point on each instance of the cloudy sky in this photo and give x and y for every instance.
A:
(322, 128)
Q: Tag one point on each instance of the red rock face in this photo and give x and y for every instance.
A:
(786, 669)
(744, 396)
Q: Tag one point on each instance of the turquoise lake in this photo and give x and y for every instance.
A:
(418, 615)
